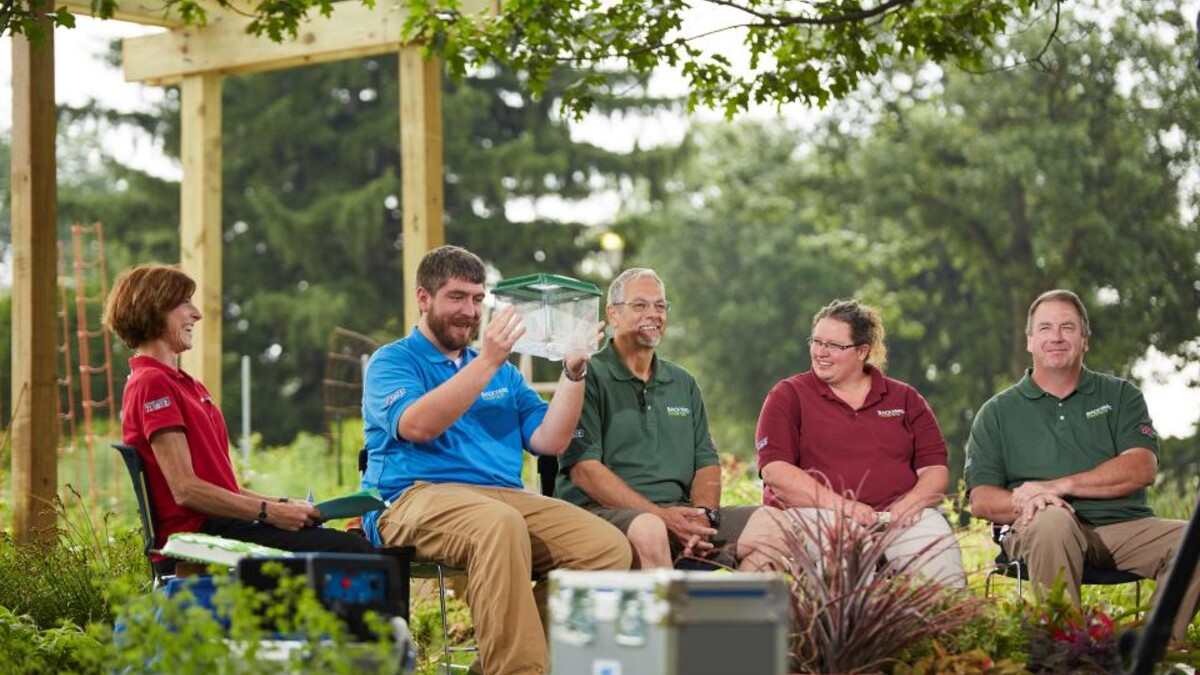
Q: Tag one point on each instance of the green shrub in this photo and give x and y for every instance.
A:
(26, 648)
(175, 635)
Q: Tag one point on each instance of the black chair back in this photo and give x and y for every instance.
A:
(141, 490)
(547, 469)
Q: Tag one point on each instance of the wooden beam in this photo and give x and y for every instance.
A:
(34, 264)
(422, 190)
(146, 12)
(200, 244)
(224, 47)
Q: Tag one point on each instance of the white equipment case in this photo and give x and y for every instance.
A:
(668, 622)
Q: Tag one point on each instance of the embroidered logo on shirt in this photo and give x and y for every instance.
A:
(894, 412)
(678, 411)
(1102, 410)
(1148, 430)
(495, 394)
(387, 402)
(762, 443)
(579, 433)
(157, 404)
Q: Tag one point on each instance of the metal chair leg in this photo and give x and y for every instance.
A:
(445, 621)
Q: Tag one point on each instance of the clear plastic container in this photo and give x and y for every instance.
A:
(559, 314)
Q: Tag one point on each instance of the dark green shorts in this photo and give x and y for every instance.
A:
(733, 522)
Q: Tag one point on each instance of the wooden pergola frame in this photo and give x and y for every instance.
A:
(196, 58)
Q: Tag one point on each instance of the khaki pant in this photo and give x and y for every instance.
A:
(928, 545)
(503, 538)
(1055, 540)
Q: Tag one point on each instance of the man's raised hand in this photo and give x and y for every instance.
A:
(503, 331)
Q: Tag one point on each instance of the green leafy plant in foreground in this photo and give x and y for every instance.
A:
(286, 627)
(26, 648)
(1067, 638)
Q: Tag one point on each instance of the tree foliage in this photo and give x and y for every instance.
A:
(950, 200)
(780, 51)
(809, 52)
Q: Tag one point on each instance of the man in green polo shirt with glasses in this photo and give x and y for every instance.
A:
(1064, 458)
(642, 457)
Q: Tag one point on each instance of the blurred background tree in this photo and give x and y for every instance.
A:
(946, 198)
(949, 200)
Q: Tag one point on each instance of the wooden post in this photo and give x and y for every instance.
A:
(34, 237)
(200, 244)
(422, 196)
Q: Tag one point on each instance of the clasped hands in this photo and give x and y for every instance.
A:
(1035, 495)
(904, 512)
(293, 515)
(689, 526)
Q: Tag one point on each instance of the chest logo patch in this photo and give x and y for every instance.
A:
(894, 412)
(678, 411)
(1096, 412)
(495, 394)
(156, 404)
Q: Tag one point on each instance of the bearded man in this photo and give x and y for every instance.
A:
(445, 426)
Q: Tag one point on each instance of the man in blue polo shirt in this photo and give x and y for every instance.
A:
(445, 427)
(1064, 458)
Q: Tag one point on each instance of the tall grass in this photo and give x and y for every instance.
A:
(66, 579)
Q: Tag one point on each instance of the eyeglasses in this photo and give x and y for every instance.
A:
(829, 345)
(641, 306)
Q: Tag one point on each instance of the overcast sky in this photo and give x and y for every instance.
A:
(81, 74)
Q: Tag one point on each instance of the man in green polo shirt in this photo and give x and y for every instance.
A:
(1064, 458)
(642, 457)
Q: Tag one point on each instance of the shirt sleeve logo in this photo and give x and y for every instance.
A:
(1096, 412)
(1148, 431)
(156, 404)
(393, 397)
(762, 442)
(893, 412)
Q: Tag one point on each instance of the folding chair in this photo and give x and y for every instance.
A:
(433, 570)
(1092, 576)
(141, 491)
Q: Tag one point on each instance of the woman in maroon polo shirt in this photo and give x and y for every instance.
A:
(181, 435)
(845, 438)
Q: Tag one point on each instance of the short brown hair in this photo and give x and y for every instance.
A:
(137, 306)
(449, 262)
(1060, 295)
(866, 328)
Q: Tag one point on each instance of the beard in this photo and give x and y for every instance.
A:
(449, 331)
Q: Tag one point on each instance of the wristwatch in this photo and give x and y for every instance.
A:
(714, 517)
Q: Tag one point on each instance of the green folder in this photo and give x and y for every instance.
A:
(352, 505)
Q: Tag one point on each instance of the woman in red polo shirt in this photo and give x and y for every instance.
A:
(845, 438)
(180, 433)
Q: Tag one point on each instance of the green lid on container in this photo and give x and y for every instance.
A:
(546, 287)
